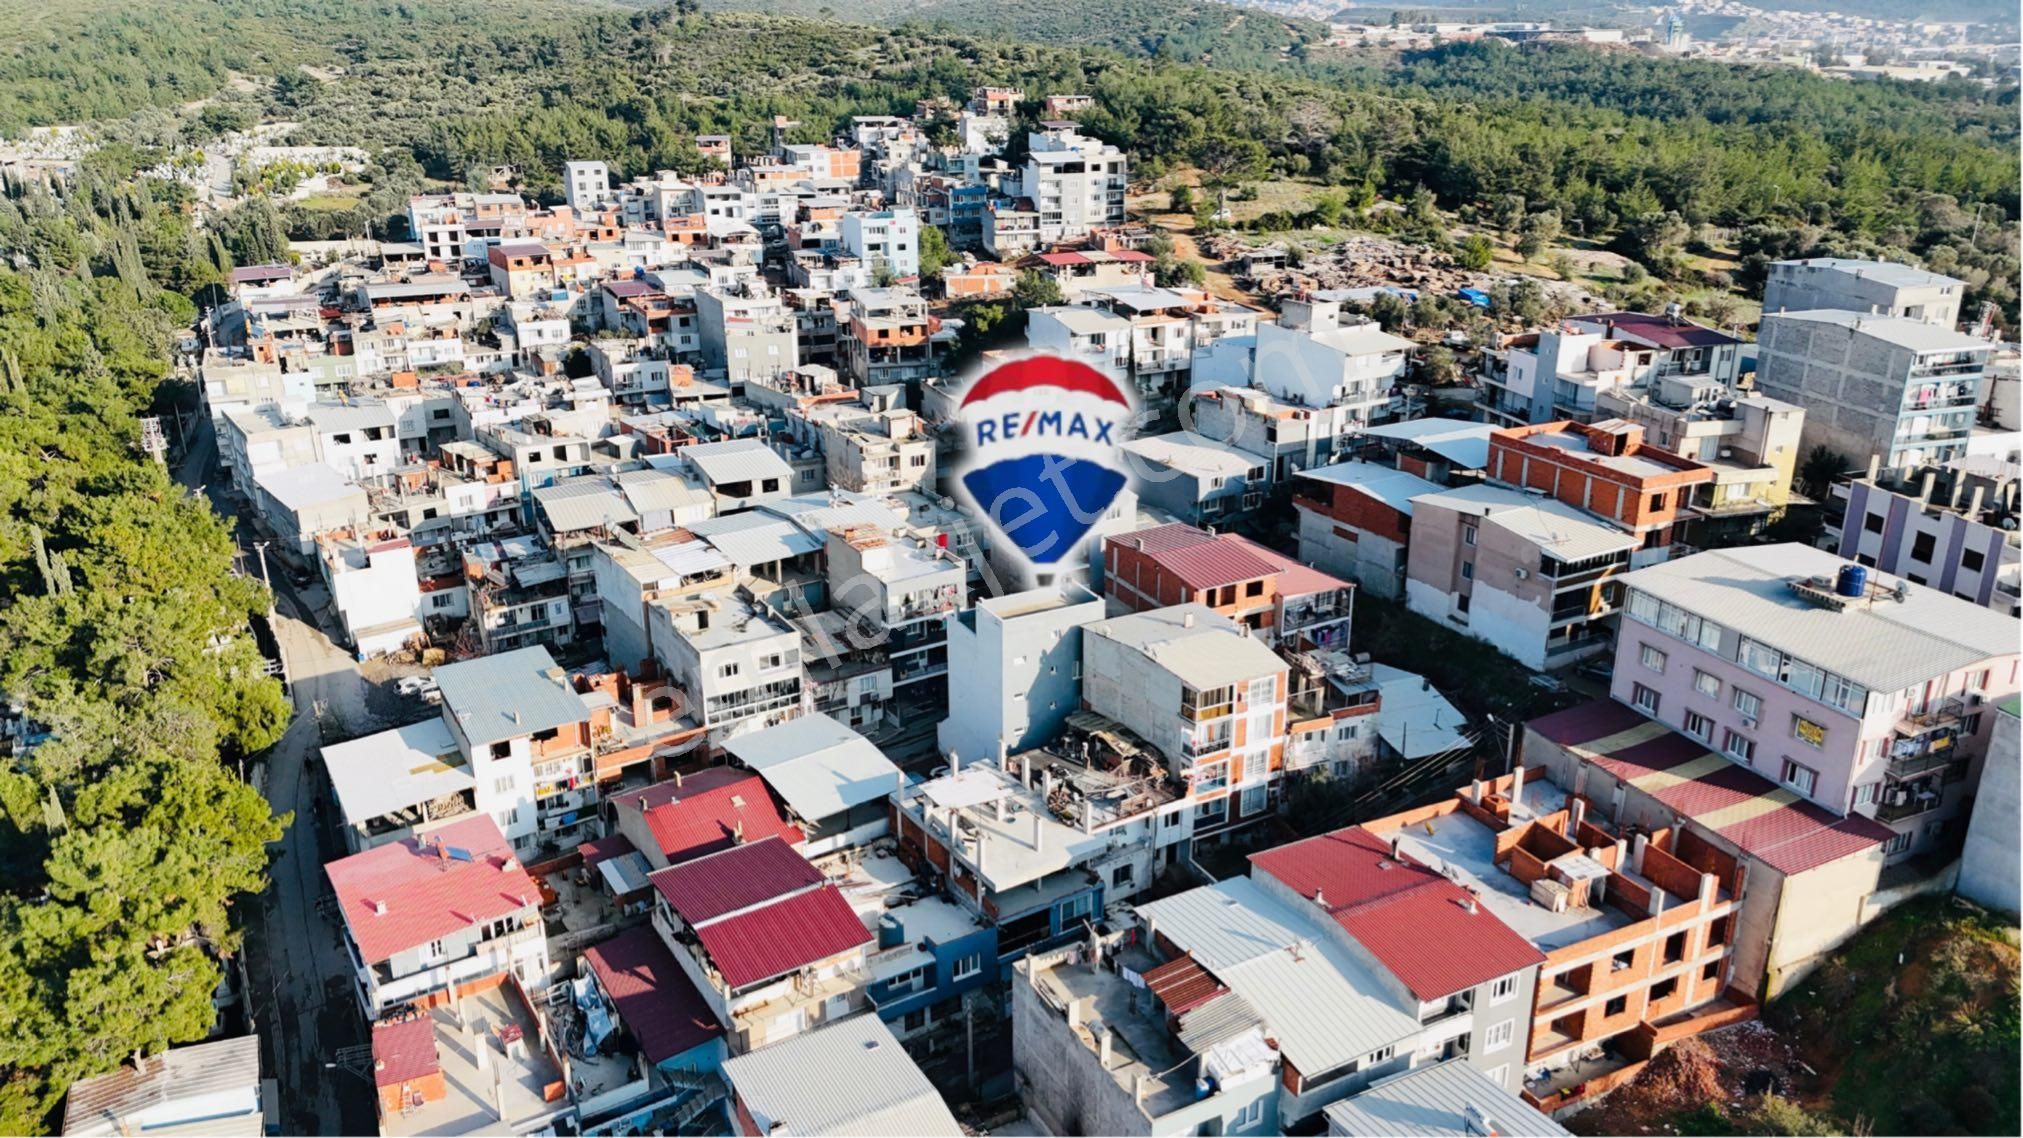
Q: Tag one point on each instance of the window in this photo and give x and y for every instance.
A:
(1644, 699)
(1468, 535)
(1923, 546)
(1665, 989)
(1739, 747)
(1498, 1073)
(1897, 844)
(1711, 970)
(967, 966)
(1617, 1006)
(1622, 960)
(1468, 570)
(1503, 990)
(1212, 776)
(1799, 777)
(726, 671)
(1707, 684)
(915, 1020)
(1652, 658)
(435, 948)
(1212, 813)
(1379, 1056)
(1254, 589)
(1253, 800)
(1657, 501)
(1749, 704)
(1252, 1114)
(1866, 793)
(503, 785)
(1499, 1036)
(1972, 560)
(1873, 523)
(1760, 658)
(1699, 727)
(1122, 875)
(1807, 732)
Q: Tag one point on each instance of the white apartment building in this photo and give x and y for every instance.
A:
(1314, 357)
(886, 240)
(1076, 183)
(1015, 670)
(586, 185)
(746, 336)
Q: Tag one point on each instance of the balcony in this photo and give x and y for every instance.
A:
(1955, 367)
(1916, 800)
(1912, 765)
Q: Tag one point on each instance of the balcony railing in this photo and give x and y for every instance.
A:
(1913, 804)
(1923, 762)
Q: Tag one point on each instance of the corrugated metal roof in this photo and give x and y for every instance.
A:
(404, 1050)
(1548, 523)
(1182, 985)
(302, 487)
(1886, 645)
(1200, 559)
(494, 698)
(778, 938)
(584, 503)
(141, 1098)
(396, 769)
(848, 1078)
(1324, 1008)
(1394, 488)
(816, 765)
(751, 537)
(651, 993)
(738, 460)
(1222, 1017)
(649, 490)
(1764, 820)
(705, 888)
(1432, 1102)
(710, 812)
(1413, 718)
(350, 416)
(1207, 655)
(1195, 454)
(429, 893)
(692, 558)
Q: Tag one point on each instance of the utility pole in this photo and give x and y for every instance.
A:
(152, 440)
(260, 547)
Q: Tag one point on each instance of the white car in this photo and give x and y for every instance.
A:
(416, 685)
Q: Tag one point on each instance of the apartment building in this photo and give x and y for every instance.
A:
(1205, 695)
(371, 576)
(1858, 692)
(1527, 573)
(522, 270)
(1875, 385)
(739, 664)
(297, 503)
(1562, 372)
(1851, 285)
(1355, 520)
(1015, 670)
(768, 940)
(586, 186)
(1076, 183)
(834, 783)
(1952, 527)
(1750, 441)
(1607, 470)
(1197, 479)
(890, 338)
(695, 815)
(1292, 436)
(887, 240)
(1281, 601)
(434, 918)
(1316, 356)
(745, 336)
(446, 225)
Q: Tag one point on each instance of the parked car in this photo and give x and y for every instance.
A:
(1543, 682)
(423, 686)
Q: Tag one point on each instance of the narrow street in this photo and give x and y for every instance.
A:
(299, 974)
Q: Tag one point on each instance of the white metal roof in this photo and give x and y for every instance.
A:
(849, 1077)
(204, 1088)
(350, 416)
(1555, 527)
(752, 537)
(508, 695)
(649, 489)
(1464, 444)
(1214, 651)
(1324, 1008)
(1362, 340)
(692, 558)
(738, 460)
(1884, 645)
(1890, 273)
(300, 487)
(1413, 717)
(583, 503)
(1195, 454)
(1393, 487)
(1432, 1102)
(1084, 321)
(816, 765)
(1915, 335)
(396, 769)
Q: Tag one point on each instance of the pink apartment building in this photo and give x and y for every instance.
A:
(1872, 697)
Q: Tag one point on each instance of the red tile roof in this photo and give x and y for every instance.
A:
(466, 875)
(655, 998)
(604, 849)
(1397, 909)
(706, 888)
(783, 936)
(404, 1050)
(1200, 559)
(1183, 985)
(1786, 833)
(1060, 260)
(708, 812)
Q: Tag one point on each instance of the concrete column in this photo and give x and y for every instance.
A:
(1637, 845)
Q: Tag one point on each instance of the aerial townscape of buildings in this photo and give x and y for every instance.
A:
(747, 783)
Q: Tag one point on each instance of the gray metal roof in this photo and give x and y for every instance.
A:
(494, 698)
(350, 416)
(583, 503)
(1213, 651)
(1221, 1018)
(1323, 1007)
(1432, 1102)
(1393, 487)
(649, 490)
(1915, 335)
(1885, 645)
(1195, 454)
(849, 1077)
(133, 1100)
(817, 765)
(739, 460)
(1891, 273)
(1565, 532)
(396, 769)
(1464, 444)
(751, 537)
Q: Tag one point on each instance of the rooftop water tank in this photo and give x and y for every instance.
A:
(1852, 581)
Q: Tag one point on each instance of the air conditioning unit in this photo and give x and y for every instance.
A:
(1520, 574)
(1749, 722)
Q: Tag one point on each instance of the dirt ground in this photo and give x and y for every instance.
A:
(1728, 1066)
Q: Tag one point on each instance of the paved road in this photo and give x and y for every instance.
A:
(299, 971)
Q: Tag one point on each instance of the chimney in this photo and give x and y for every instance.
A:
(1187, 620)
(738, 833)
(1320, 898)
(954, 764)
(1394, 848)
(1467, 902)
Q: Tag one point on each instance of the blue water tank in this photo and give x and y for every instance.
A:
(1853, 581)
(891, 931)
